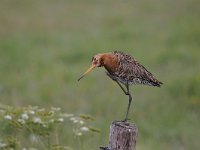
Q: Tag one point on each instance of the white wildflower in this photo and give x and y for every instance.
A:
(44, 125)
(41, 109)
(55, 108)
(78, 133)
(52, 112)
(66, 115)
(32, 112)
(22, 121)
(74, 119)
(60, 119)
(81, 122)
(8, 117)
(51, 120)
(24, 116)
(37, 120)
(2, 145)
(84, 129)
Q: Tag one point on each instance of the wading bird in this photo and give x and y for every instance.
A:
(123, 69)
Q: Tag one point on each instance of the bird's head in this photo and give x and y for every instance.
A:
(97, 61)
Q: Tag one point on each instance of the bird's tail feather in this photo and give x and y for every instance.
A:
(156, 83)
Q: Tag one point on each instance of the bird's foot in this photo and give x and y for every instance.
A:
(125, 120)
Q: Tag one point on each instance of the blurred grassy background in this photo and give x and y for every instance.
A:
(46, 45)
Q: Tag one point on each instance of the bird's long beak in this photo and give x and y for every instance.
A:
(88, 71)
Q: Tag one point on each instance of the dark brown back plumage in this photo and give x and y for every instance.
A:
(131, 71)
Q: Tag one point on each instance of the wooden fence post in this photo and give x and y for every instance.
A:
(122, 136)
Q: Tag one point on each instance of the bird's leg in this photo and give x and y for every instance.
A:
(125, 92)
(129, 102)
(110, 76)
(130, 98)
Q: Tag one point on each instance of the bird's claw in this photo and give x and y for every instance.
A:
(125, 120)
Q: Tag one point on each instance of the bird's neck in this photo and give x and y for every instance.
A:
(110, 62)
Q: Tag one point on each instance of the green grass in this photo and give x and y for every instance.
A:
(46, 45)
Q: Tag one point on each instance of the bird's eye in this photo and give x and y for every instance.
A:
(94, 59)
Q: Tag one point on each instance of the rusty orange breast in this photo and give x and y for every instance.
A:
(110, 62)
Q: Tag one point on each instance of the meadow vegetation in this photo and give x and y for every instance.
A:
(46, 45)
(39, 128)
